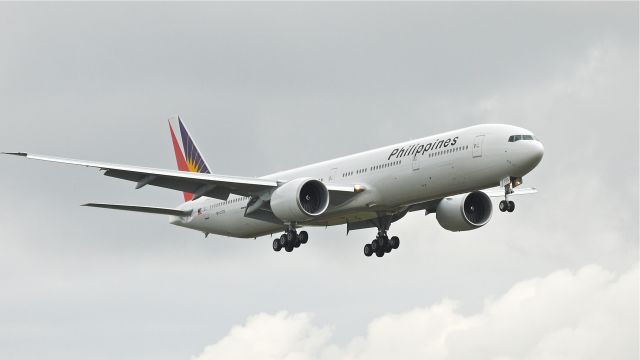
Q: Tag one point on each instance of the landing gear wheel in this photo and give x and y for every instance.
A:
(296, 243)
(368, 251)
(387, 247)
(291, 236)
(380, 253)
(375, 245)
(503, 206)
(288, 248)
(395, 242)
(511, 207)
(276, 245)
(283, 240)
(303, 236)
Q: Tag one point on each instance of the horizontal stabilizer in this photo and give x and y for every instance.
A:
(144, 209)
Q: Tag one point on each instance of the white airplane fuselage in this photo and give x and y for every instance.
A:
(392, 178)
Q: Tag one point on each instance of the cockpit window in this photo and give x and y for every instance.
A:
(514, 138)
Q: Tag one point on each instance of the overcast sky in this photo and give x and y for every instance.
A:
(266, 87)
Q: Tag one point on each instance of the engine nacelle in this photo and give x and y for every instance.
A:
(300, 199)
(464, 212)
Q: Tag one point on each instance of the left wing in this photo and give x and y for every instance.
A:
(499, 191)
(430, 207)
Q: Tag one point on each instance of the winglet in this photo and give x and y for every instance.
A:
(15, 153)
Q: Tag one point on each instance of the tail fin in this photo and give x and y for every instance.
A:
(194, 161)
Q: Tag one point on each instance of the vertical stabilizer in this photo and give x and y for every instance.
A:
(182, 164)
(190, 160)
(195, 161)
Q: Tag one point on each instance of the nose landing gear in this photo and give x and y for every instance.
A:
(506, 204)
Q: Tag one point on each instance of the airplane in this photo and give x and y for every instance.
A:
(452, 175)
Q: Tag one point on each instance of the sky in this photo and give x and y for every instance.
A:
(265, 87)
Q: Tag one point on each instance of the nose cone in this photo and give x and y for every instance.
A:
(526, 156)
(535, 153)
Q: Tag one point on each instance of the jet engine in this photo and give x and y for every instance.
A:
(300, 199)
(464, 212)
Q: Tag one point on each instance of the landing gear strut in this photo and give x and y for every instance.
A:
(382, 244)
(506, 204)
(290, 240)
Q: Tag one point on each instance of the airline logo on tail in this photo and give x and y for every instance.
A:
(190, 159)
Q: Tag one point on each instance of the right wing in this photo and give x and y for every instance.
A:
(215, 186)
(199, 184)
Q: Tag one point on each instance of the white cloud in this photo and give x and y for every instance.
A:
(265, 336)
(588, 314)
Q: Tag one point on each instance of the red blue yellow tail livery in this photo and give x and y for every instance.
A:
(190, 159)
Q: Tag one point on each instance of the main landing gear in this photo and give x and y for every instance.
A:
(506, 204)
(382, 244)
(290, 240)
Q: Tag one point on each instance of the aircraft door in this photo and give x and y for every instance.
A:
(477, 146)
(333, 175)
